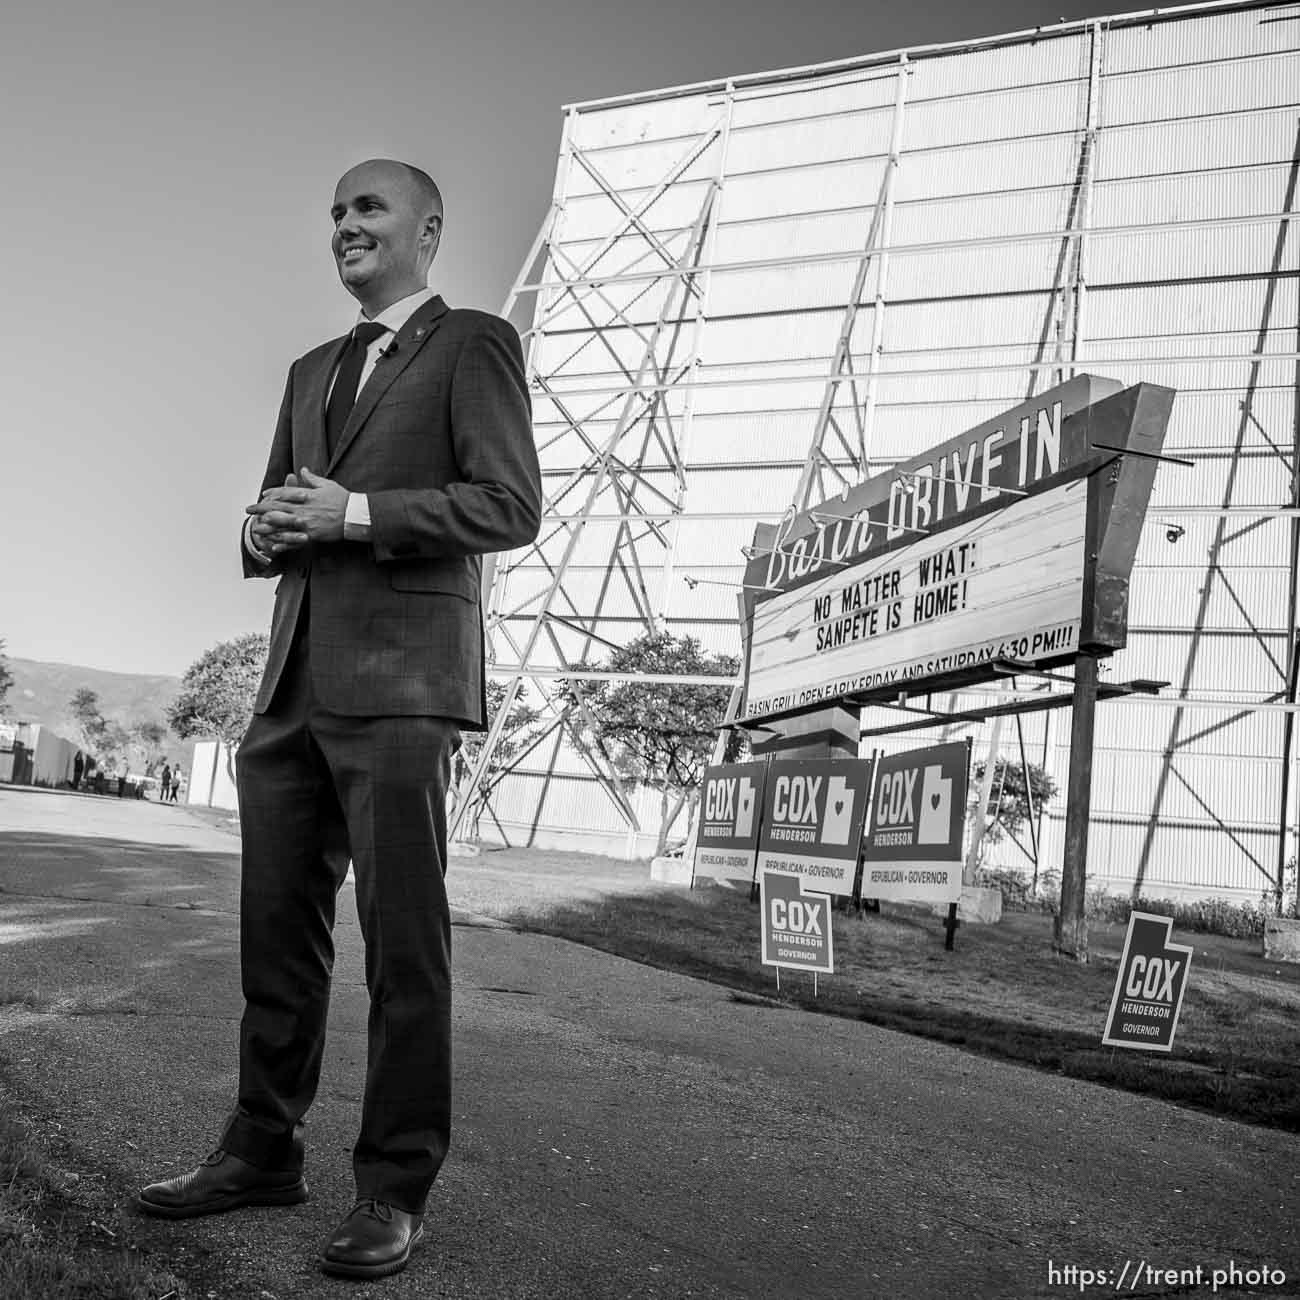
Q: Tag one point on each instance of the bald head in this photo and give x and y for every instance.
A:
(427, 193)
(387, 225)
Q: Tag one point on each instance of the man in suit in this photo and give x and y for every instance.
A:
(373, 515)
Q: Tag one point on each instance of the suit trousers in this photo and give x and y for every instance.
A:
(316, 788)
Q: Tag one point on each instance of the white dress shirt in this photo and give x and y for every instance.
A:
(356, 523)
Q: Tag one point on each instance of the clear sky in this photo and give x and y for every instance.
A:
(169, 168)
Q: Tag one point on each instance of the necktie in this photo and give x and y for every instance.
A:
(344, 394)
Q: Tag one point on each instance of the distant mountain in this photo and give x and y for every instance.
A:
(41, 693)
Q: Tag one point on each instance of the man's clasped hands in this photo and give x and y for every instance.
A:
(308, 508)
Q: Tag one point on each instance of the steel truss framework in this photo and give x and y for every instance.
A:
(622, 358)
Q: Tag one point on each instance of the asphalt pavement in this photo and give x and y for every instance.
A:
(618, 1131)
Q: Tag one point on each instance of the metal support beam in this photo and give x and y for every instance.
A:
(982, 810)
(811, 487)
(1071, 927)
(614, 464)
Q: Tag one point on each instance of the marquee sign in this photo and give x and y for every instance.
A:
(1013, 541)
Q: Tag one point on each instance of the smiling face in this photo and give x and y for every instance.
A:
(386, 230)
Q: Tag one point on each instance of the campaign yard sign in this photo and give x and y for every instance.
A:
(796, 925)
(731, 802)
(813, 814)
(914, 847)
(1149, 987)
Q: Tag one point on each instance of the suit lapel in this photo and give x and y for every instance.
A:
(410, 339)
(312, 450)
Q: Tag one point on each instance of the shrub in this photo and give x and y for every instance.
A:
(1017, 890)
(1203, 915)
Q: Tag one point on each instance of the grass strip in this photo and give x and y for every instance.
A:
(1001, 992)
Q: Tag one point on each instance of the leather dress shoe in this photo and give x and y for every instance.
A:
(376, 1239)
(222, 1182)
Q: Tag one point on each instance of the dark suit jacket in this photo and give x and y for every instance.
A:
(441, 441)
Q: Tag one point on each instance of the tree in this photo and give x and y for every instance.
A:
(146, 739)
(520, 730)
(1008, 801)
(108, 742)
(218, 692)
(660, 735)
(6, 681)
(92, 725)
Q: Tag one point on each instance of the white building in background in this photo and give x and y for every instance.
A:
(210, 782)
(807, 275)
(32, 754)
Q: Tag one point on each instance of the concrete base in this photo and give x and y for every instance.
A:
(671, 871)
(461, 849)
(1281, 939)
(978, 905)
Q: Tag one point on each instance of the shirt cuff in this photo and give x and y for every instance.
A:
(356, 518)
(250, 546)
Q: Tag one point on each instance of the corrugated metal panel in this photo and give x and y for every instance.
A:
(791, 185)
(836, 232)
(1004, 387)
(1053, 58)
(1220, 662)
(594, 216)
(639, 299)
(903, 431)
(737, 439)
(821, 140)
(959, 323)
(1258, 545)
(1251, 138)
(585, 590)
(1188, 254)
(1203, 860)
(1129, 310)
(1215, 343)
(1208, 419)
(633, 252)
(1210, 373)
(986, 168)
(978, 216)
(1227, 192)
(784, 338)
(1194, 39)
(648, 165)
(1173, 597)
(958, 272)
(1126, 784)
(742, 396)
(1201, 88)
(565, 801)
(872, 88)
(1133, 725)
(822, 284)
(1027, 112)
(682, 115)
(1244, 481)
